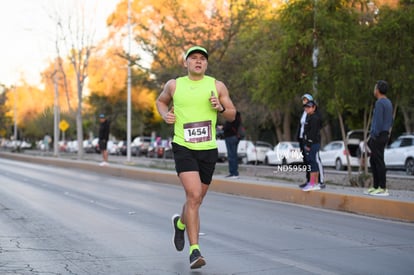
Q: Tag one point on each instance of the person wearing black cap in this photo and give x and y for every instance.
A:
(196, 100)
(299, 136)
(104, 126)
(381, 123)
(312, 140)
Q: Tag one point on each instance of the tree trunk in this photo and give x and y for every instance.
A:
(407, 119)
(286, 125)
(342, 126)
(277, 124)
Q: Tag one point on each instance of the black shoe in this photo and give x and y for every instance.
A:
(196, 260)
(178, 237)
(322, 185)
(303, 185)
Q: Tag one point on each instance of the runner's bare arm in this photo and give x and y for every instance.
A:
(225, 102)
(164, 100)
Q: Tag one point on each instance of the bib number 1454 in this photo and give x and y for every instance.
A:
(197, 131)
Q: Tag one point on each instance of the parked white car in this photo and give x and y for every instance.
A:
(88, 146)
(112, 147)
(250, 152)
(72, 146)
(334, 155)
(285, 152)
(14, 144)
(222, 150)
(140, 145)
(400, 154)
(247, 151)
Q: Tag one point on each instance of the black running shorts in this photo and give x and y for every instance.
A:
(203, 161)
(103, 144)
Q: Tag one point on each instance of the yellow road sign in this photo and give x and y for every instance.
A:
(63, 125)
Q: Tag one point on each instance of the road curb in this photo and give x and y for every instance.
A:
(360, 204)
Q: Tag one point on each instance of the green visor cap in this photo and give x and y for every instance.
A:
(196, 49)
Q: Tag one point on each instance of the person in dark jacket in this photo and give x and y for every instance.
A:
(381, 123)
(299, 137)
(230, 132)
(312, 144)
(103, 138)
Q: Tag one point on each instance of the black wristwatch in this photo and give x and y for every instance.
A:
(222, 111)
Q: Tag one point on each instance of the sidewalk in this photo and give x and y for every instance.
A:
(398, 206)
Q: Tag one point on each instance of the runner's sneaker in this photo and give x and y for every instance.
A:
(380, 192)
(196, 260)
(311, 187)
(321, 185)
(369, 190)
(302, 185)
(178, 237)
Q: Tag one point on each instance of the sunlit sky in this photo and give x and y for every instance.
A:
(29, 33)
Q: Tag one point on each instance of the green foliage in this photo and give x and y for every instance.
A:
(141, 124)
(393, 47)
(273, 61)
(5, 121)
(406, 3)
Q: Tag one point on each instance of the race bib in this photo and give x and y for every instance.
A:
(197, 131)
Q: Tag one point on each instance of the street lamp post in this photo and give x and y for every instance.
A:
(56, 110)
(129, 86)
(15, 113)
(56, 114)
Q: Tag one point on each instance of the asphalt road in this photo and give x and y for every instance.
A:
(65, 221)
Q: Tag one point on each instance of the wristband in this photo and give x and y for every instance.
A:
(222, 111)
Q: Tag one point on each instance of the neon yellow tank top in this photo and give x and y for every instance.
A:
(195, 125)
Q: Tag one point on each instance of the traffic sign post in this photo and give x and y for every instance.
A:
(63, 126)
